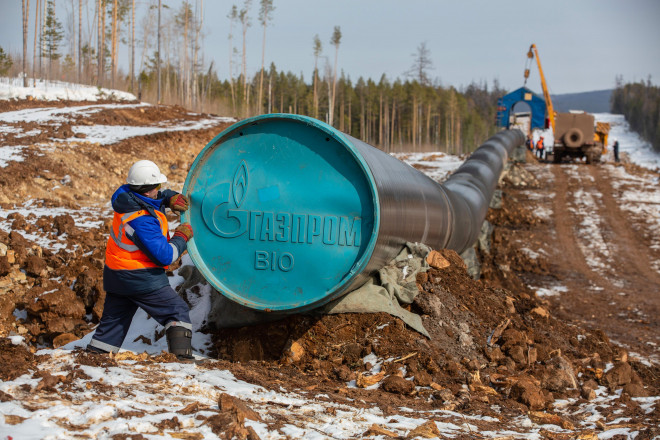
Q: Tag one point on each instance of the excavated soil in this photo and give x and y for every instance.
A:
(493, 340)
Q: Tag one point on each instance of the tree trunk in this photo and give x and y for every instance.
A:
(99, 43)
(270, 93)
(195, 57)
(132, 47)
(244, 72)
(231, 72)
(334, 87)
(362, 127)
(34, 49)
(41, 39)
(428, 124)
(447, 134)
(350, 118)
(261, 78)
(26, 12)
(184, 65)
(113, 49)
(414, 123)
(392, 122)
(341, 114)
(158, 54)
(316, 94)
(380, 120)
(80, 61)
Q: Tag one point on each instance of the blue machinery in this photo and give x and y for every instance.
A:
(289, 213)
(536, 104)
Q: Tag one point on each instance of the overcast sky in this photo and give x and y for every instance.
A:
(583, 44)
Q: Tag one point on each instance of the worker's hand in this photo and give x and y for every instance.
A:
(184, 230)
(178, 203)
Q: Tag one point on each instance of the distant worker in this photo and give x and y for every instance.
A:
(615, 149)
(138, 252)
(540, 148)
(529, 144)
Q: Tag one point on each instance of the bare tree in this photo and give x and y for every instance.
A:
(26, 12)
(245, 23)
(80, 41)
(113, 42)
(34, 50)
(42, 41)
(132, 46)
(198, 26)
(158, 56)
(147, 32)
(421, 65)
(318, 48)
(100, 41)
(335, 41)
(233, 16)
(264, 17)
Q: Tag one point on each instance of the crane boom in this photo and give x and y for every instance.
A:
(533, 52)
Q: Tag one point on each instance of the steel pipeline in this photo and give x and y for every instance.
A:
(310, 212)
(415, 208)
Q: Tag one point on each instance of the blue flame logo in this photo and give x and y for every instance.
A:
(240, 184)
(223, 219)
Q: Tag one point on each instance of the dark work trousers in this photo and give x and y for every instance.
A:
(164, 305)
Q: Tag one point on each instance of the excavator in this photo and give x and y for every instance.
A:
(576, 134)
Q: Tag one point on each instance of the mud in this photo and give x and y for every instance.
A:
(15, 360)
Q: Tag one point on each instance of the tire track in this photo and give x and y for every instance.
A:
(622, 295)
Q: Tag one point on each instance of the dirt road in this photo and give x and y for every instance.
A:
(603, 255)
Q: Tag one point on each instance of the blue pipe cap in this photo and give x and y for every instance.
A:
(284, 212)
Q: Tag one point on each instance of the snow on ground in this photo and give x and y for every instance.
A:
(110, 134)
(552, 290)
(638, 150)
(58, 115)
(585, 205)
(32, 211)
(101, 134)
(12, 88)
(11, 153)
(437, 165)
(639, 196)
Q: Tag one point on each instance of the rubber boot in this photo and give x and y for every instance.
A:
(179, 342)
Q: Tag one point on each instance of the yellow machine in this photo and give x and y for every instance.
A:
(533, 52)
(576, 136)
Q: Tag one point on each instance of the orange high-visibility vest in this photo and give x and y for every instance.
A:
(121, 253)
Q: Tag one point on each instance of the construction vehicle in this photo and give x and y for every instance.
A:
(576, 135)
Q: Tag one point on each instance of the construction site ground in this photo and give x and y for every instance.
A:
(558, 339)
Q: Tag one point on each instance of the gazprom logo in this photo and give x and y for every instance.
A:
(223, 214)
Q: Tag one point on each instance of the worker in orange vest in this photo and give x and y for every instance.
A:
(540, 148)
(138, 252)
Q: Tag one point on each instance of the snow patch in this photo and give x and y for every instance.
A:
(12, 88)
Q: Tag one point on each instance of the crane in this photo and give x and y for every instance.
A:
(533, 52)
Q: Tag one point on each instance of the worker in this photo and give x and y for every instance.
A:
(138, 252)
(615, 149)
(540, 148)
(529, 144)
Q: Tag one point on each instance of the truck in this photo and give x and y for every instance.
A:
(578, 136)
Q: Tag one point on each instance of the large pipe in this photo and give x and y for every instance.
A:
(289, 213)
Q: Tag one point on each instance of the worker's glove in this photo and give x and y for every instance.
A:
(184, 230)
(178, 203)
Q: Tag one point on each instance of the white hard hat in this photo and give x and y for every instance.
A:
(145, 172)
